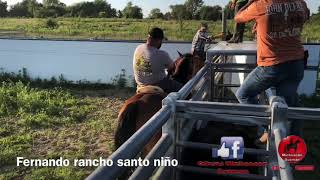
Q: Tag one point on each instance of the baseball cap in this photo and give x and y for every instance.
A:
(157, 33)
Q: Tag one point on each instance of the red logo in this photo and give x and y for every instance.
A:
(292, 149)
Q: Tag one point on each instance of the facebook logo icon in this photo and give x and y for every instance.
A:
(231, 148)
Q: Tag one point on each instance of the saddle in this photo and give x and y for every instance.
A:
(149, 90)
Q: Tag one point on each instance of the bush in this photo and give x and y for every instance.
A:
(51, 24)
(120, 80)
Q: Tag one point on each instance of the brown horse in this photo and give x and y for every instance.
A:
(142, 106)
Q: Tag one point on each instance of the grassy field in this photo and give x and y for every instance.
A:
(121, 29)
(118, 29)
(52, 123)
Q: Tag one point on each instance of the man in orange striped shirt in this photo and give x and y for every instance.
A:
(280, 53)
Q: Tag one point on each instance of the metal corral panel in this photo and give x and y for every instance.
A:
(224, 48)
(246, 53)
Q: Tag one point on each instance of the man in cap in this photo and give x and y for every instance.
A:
(199, 41)
(149, 63)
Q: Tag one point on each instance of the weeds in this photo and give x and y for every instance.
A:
(44, 119)
(39, 107)
(22, 76)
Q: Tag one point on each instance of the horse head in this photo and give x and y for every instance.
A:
(185, 67)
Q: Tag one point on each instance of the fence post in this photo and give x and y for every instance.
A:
(172, 125)
(279, 130)
(224, 26)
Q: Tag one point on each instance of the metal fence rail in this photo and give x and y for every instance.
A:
(144, 172)
(134, 144)
(178, 116)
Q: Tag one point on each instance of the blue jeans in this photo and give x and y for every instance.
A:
(285, 78)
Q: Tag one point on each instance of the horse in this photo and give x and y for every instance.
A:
(138, 109)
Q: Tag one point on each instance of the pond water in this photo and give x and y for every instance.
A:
(76, 60)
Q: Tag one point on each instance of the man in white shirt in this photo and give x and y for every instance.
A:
(149, 63)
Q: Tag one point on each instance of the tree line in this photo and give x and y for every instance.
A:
(191, 9)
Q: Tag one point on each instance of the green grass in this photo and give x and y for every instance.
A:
(102, 28)
(40, 108)
(52, 123)
(123, 29)
(311, 29)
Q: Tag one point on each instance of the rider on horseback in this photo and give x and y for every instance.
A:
(149, 64)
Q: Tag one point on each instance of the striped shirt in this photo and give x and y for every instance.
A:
(199, 41)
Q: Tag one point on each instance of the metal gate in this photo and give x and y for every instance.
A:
(178, 116)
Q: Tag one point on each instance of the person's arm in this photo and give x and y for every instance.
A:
(166, 60)
(204, 36)
(168, 63)
(249, 12)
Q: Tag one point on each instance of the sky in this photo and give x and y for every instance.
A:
(163, 5)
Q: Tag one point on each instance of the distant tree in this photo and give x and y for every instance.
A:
(156, 14)
(210, 13)
(97, 8)
(33, 6)
(19, 10)
(131, 11)
(3, 9)
(83, 9)
(119, 14)
(49, 3)
(104, 7)
(180, 11)
(26, 8)
(319, 9)
(193, 7)
(167, 16)
(52, 8)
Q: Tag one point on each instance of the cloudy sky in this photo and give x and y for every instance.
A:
(147, 5)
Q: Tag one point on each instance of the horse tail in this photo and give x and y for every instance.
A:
(126, 121)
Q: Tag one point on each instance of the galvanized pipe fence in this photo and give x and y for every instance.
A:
(178, 116)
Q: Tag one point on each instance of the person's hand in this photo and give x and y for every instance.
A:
(209, 39)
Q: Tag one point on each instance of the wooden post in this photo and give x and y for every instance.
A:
(224, 26)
